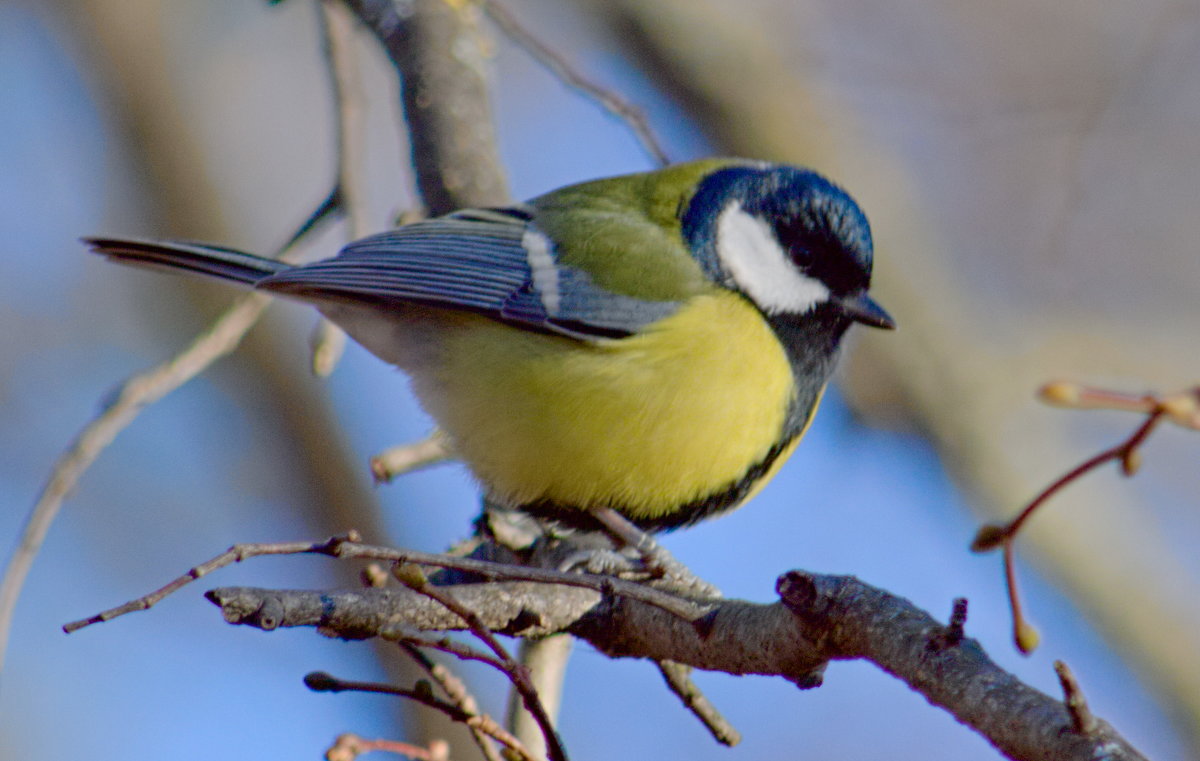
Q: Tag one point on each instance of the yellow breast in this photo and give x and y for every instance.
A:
(643, 424)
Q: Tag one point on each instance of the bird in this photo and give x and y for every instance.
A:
(651, 345)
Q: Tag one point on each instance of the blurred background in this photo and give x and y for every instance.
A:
(1031, 171)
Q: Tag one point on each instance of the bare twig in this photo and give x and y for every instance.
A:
(423, 694)
(406, 458)
(458, 693)
(461, 651)
(557, 65)
(235, 554)
(953, 634)
(349, 546)
(1181, 408)
(517, 672)
(679, 680)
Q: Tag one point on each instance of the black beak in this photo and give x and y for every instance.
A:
(862, 308)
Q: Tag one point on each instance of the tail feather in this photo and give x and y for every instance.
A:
(214, 261)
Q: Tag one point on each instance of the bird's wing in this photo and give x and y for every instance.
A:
(497, 262)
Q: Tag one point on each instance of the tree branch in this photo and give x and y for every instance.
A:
(445, 98)
(820, 618)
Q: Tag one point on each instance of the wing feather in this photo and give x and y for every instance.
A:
(493, 261)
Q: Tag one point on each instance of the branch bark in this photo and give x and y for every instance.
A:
(820, 618)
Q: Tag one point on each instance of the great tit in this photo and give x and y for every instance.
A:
(654, 343)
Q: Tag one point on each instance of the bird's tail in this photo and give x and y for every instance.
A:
(214, 261)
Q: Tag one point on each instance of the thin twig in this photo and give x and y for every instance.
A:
(443, 644)
(321, 682)
(556, 64)
(406, 458)
(679, 680)
(517, 673)
(458, 693)
(1123, 452)
(235, 554)
(1025, 636)
(135, 394)
(1181, 408)
(547, 659)
(348, 546)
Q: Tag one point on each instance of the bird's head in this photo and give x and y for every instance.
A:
(791, 241)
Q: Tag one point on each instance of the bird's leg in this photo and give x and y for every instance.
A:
(656, 561)
(625, 532)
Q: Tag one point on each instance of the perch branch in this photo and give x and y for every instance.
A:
(820, 618)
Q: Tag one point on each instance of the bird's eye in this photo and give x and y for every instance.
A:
(798, 243)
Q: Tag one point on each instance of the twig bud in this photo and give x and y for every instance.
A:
(988, 538)
(410, 575)
(1064, 393)
(319, 681)
(1131, 462)
(1183, 408)
(1027, 637)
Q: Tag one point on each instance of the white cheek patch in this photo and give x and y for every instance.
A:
(543, 268)
(749, 251)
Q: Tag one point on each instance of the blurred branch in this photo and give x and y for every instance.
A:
(345, 80)
(435, 48)
(134, 395)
